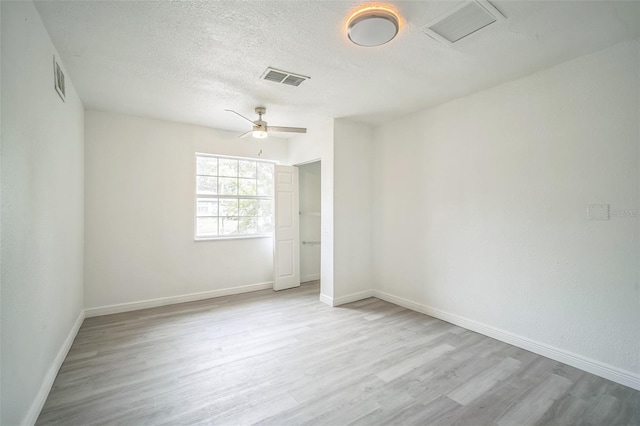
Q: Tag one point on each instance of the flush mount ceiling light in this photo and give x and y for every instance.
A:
(373, 26)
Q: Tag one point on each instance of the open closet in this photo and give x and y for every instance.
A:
(309, 196)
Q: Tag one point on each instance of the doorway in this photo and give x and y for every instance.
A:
(310, 220)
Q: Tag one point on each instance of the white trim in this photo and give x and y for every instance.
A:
(618, 375)
(353, 297)
(49, 378)
(231, 237)
(310, 277)
(316, 160)
(171, 300)
(326, 299)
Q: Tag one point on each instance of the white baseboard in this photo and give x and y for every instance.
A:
(626, 378)
(171, 300)
(326, 299)
(310, 277)
(49, 378)
(354, 297)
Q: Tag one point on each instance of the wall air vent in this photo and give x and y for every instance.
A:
(284, 77)
(464, 20)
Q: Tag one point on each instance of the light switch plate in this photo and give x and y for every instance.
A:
(598, 211)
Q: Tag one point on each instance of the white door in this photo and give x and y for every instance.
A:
(286, 254)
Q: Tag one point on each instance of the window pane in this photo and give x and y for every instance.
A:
(228, 225)
(228, 186)
(228, 197)
(228, 207)
(248, 225)
(265, 208)
(265, 171)
(248, 207)
(247, 186)
(206, 185)
(207, 166)
(247, 169)
(207, 207)
(265, 188)
(206, 226)
(265, 224)
(228, 167)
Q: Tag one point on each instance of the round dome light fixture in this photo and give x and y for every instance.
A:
(373, 26)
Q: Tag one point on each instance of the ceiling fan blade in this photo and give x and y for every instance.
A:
(287, 129)
(237, 113)
(245, 134)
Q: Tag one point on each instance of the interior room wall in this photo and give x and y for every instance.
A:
(0, 218)
(42, 175)
(480, 210)
(309, 181)
(344, 146)
(352, 210)
(140, 188)
(316, 145)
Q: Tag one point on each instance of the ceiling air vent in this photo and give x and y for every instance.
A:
(284, 77)
(466, 19)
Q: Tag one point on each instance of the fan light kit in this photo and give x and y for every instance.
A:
(261, 130)
(373, 25)
(260, 134)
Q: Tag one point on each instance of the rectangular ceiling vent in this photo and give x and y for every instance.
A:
(464, 20)
(284, 77)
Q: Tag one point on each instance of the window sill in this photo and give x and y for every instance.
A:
(239, 237)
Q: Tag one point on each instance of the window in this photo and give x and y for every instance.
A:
(234, 197)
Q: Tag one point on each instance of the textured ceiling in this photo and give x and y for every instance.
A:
(187, 61)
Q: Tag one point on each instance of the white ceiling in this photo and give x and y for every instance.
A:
(187, 61)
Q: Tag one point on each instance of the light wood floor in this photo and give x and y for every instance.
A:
(287, 359)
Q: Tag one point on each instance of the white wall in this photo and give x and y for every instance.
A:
(309, 178)
(42, 214)
(140, 207)
(352, 209)
(344, 147)
(480, 208)
(1, 136)
(316, 145)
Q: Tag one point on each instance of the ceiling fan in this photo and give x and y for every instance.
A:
(260, 129)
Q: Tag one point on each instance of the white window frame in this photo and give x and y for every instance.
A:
(221, 197)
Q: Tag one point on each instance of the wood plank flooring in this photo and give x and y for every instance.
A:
(287, 359)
